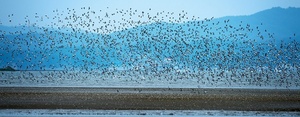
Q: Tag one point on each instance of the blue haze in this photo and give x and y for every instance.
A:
(268, 38)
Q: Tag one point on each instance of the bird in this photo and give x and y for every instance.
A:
(149, 47)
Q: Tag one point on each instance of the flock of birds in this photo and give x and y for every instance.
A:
(165, 45)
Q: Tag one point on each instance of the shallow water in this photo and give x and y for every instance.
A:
(201, 79)
(136, 113)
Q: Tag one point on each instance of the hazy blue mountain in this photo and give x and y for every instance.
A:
(227, 42)
(284, 23)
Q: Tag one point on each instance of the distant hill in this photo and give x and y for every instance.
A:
(282, 22)
(233, 41)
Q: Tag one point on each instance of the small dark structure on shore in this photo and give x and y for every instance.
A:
(8, 68)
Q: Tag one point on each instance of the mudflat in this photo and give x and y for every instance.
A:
(149, 98)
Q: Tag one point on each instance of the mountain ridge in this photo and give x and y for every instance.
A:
(159, 42)
(265, 14)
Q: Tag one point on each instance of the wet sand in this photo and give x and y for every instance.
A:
(149, 98)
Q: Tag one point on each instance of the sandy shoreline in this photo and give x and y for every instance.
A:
(149, 98)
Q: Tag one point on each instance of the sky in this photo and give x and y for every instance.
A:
(16, 10)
